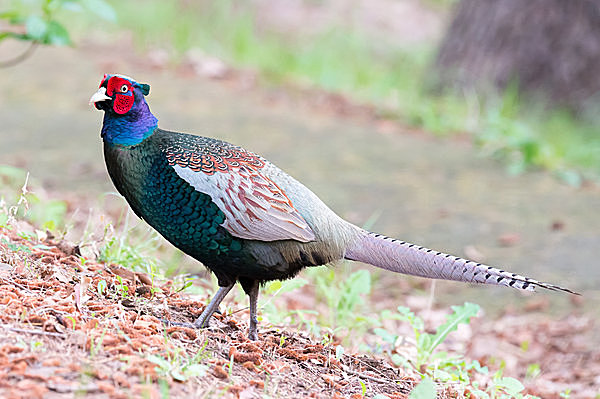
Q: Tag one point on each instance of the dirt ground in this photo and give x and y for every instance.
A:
(64, 334)
(73, 326)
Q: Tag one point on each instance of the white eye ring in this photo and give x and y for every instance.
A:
(124, 89)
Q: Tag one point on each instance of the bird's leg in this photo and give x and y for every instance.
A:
(212, 307)
(253, 295)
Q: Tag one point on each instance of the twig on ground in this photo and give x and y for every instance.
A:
(369, 377)
(37, 332)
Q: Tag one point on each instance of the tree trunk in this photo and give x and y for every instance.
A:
(547, 47)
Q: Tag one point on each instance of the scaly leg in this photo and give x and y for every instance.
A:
(253, 295)
(212, 307)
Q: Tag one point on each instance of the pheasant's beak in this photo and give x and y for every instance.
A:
(100, 95)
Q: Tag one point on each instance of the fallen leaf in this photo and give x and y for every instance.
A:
(121, 271)
(144, 278)
(68, 248)
(219, 372)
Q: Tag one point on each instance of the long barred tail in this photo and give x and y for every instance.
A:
(403, 257)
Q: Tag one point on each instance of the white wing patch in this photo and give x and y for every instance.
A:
(255, 207)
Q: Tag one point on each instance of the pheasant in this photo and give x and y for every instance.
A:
(241, 216)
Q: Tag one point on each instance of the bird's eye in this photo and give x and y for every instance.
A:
(124, 89)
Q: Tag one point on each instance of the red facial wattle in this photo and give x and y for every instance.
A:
(122, 92)
(123, 103)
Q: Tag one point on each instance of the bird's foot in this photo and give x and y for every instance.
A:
(253, 330)
(252, 335)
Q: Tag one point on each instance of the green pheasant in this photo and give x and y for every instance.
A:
(241, 216)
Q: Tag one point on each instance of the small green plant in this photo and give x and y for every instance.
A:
(344, 298)
(363, 387)
(565, 394)
(23, 204)
(14, 209)
(73, 322)
(37, 346)
(230, 366)
(121, 288)
(177, 368)
(339, 352)
(134, 247)
(533, 370)
(444, 367)
(163, 386)
(306, 319)
(427, 343)
(503, 388)
(425, 390)
(273, 289)
(16, 247)
(96, 344)
(186, 283)
(101, 288)
(177, 365)
(48, 214)
(327, 338)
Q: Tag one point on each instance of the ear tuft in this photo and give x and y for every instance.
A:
(145, 88)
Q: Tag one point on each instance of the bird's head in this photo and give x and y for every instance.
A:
(127, 118)
(119, 94)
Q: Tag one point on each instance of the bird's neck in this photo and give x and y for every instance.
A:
(131, 128)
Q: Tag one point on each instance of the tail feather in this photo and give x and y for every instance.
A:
(403, 257)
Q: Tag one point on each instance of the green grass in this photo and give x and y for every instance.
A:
(132, 244)
(394, 80)
(17, 201)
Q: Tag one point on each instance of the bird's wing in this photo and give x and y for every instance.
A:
(254, 206)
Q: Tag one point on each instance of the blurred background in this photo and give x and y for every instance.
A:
(467, 126)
